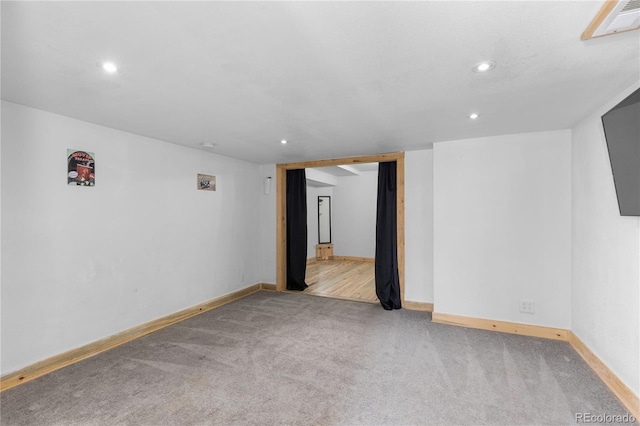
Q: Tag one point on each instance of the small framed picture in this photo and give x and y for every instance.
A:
(81, 168)
(206, 182)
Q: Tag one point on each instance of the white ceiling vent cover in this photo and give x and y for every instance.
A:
(614, 17)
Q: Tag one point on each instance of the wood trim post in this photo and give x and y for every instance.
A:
(400, 221)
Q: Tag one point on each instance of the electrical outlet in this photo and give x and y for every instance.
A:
(527, 306)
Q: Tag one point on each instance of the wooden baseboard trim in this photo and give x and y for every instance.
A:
(630, 400)
(355, 258)
(268, 287)
(59, 361)
(330, 296)
(626, 396)
(503, 326)
(418, 306)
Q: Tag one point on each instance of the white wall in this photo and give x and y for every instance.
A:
(418, 213)
(502, 227)
(353, 217)
(313, 193)
(267, 223)
(80, 263)
(606, 255)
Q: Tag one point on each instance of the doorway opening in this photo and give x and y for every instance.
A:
(341, 237)
(281, 226)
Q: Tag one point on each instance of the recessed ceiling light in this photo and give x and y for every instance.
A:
(109, 67)
(208, 145)
(484, 66)
(473, 116)
(284, 142)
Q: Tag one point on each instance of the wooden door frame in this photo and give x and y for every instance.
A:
(281, 207)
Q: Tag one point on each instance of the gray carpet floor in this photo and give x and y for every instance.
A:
(275, 358)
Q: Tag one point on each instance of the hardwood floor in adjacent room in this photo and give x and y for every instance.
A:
(344, 279)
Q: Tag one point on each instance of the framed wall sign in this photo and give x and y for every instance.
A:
(206, 182)
(81, 168)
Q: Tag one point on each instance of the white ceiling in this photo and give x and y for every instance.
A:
(349, 170)
(334, 78)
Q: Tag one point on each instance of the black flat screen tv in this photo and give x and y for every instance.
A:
(622, 132)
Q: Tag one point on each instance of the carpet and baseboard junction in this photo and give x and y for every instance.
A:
(281, 358)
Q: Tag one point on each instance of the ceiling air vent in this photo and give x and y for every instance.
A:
(614, 17)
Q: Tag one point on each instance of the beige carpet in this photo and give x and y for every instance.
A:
(274, 358)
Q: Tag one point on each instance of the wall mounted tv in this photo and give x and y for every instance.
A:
(622, 131)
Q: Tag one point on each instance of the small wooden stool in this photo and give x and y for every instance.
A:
(324, 251)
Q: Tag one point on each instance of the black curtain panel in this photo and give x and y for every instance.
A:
(296, 229)
(387, 279)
